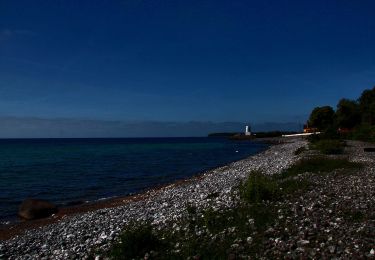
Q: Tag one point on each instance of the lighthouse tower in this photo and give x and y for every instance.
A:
(247, 130)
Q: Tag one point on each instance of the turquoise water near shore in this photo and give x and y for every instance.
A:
(66, 171)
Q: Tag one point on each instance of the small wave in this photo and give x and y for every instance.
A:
(106, 198)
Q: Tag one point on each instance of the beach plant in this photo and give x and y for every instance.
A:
(319, 164)
(300, 150)
(329, 146)
(191, 209)
(258, 187)
(292, 185)
(211, 233)
(364, 133)
(137, 240)
(222, 227)
(329, 134)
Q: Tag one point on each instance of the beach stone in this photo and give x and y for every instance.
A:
(35, 208)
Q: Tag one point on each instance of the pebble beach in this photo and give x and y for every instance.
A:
(316, 228)
(76, 236)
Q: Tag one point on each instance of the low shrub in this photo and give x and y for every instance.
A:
(300, 150)
(140, 239)
(319, 165)
(364, 133)
(210, 233)
(329, 146)
(216, 221)
(290, 186)
(136, 241)
(329, 134)
(258, 187)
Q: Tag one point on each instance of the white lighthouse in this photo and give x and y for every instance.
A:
(247, 130)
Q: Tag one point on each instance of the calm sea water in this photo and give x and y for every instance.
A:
(69, 170)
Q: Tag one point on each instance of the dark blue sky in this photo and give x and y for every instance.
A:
(256, 61)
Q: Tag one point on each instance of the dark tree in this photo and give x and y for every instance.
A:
(367, 106)
(348, 114)
(322, 117)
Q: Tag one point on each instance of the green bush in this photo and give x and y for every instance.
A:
(300, 150)
(140, 239)
(258, 188)
(135, 242)
(319, 165)
(290, 186)
(214, 220)
(329, 146)
(364, 133)
(214, 240)
(219, 221)
(330, 134)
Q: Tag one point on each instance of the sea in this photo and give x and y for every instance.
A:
(73, 171)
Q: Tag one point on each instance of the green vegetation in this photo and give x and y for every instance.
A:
(136, 241)
(319, 165)
(353, 119)
(258, 187)
(329, 142)
(290, 186)
(211, 233)
(348, 114)
(366, 104)
(208, 234)
(300, 150)
(322, 117)
(329, 146)
(364, 133)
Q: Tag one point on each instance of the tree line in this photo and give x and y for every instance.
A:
(355, 118)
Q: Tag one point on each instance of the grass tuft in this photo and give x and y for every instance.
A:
(136, 241)
(319, 165)
(210, 233)
(258, 187)
(300, 150)
(290, 186)
(329, 146)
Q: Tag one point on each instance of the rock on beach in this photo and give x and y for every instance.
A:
(35, 208)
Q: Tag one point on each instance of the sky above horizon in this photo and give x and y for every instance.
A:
(243, 61)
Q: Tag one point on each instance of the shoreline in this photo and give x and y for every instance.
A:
(161, 205)
(19, 226)
(67, 207)
(8, 231)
